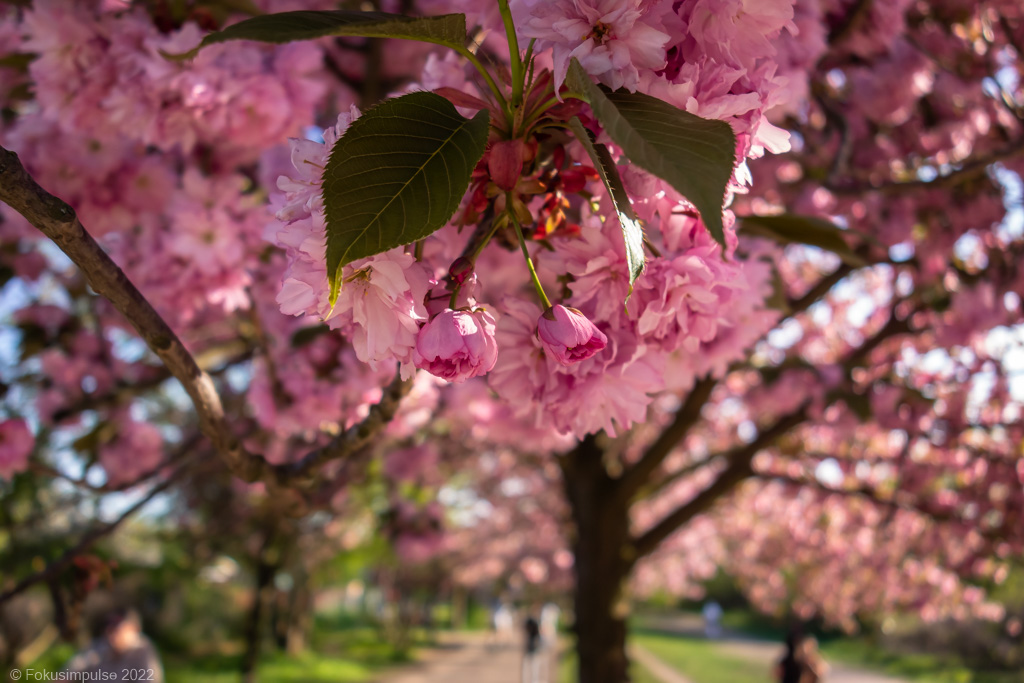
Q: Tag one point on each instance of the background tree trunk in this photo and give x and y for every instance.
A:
(265, 571)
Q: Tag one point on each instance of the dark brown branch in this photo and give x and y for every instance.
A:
(55, 219)
(740, 467)
(850, 22)
(689, 413)
(674, 476)
(968, 171)
(740, 459)
(352, 440)
(160, 374)
(869, 494)
(892, 327)
(819, 290)
(184, 449)
(634, 478)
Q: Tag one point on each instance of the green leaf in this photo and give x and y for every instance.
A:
(793, 228)
(694, 155)
(285, 27)
(631, 229)
(397, 175)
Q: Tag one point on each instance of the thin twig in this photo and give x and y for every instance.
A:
(53, 569)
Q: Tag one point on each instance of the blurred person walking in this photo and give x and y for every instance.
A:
(814, 664)
(121, 652)
(532, 651)
(712, 619)
(790, 668)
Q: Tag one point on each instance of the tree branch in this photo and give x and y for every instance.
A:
(970, 170)
(633, 479)
(819, 290)
(55, 219)
(54, 569)
(850, 22)
(740, 467)
(871, 495)
(160, 374)
(351, 440)
(740, 459)
(684, 471)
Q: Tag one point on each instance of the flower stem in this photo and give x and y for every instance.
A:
(486, 74)
(526, 254)
(514, 58)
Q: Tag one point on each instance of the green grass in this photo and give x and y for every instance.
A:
(276, 668)
(700, 660)
(339, 652)
(933, 668)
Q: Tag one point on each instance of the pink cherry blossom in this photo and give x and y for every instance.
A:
(16, 443)
(568, 335)
(457, 345)
(135, 451)
(612, 40)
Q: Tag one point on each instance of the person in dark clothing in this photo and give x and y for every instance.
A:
(531, 654)
(790, 668)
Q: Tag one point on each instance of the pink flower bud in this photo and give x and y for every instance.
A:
(505, 162)
(568, 335)
(457, 345)
(460, 269)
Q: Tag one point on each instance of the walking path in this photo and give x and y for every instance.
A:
(468, 658)
(475, 658)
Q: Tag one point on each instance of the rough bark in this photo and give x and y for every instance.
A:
(604, 558)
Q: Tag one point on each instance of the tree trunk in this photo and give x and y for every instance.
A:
(602, 564)
(265, 571)
(300, 614)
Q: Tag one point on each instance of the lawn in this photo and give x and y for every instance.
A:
(699, 660)
(339, 653)
(933, 668)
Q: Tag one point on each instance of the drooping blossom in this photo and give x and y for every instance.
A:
(568, 335)
(457, 345)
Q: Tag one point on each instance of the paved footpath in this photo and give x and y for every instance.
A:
(474, 658)
(467, 658)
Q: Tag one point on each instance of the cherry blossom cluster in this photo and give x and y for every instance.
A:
(901, 125)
